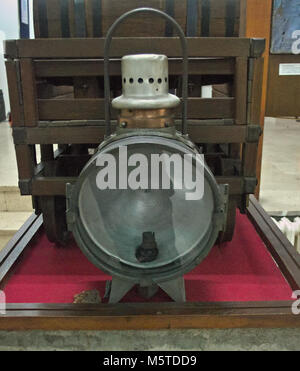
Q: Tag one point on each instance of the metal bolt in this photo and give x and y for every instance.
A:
(123, 124)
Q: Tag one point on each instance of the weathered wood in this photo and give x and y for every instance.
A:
(87, 67)
(241, 90)
(95, 133)
(53, 15)
(15, 93)
(94, 48)
(221, 17)
(26, 161)
(93, 109)
(279, 246)
(149, 317)
(257, 20)
(13, 250)
(47, 186)
(29, 92)
(252, 162)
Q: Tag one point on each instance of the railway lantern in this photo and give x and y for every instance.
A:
(122, 215)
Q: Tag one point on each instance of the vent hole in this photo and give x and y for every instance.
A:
(140, 80)
(166, 79)
(159, 81)
(124, 80)
(151, 80)
(131, 80)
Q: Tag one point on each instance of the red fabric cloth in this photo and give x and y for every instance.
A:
(241, 270)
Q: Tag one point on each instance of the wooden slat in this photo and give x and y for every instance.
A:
(241, 90)
(94, 48)
(250, 161)
(63, 68)
(257, 18)
(53, 15)
(256, 91)
(93, 109)
(148, 317)
(95, 134)
(48, 186)
(14, 252)
(15, 94)
(281, 249)
(218, 16)
(29, 92)
(6, 250)
(25, 160)
(143, 24)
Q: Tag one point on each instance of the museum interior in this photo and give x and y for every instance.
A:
(149, 175)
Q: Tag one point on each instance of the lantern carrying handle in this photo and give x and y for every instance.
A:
(106, 63)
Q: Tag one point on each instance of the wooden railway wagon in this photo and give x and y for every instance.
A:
(56, 92)
(92, 18)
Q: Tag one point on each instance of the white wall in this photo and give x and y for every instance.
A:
(9, 29)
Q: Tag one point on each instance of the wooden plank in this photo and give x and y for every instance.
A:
(94, 48)
(14, 253)
(29, 92)
(48, 186)
(25, 160)
(143, 24)
(252, 162)
(53, 15)
(241, 90)
(281, 249)
(257, 16)
(240, 93)
(256, 91)
(16, 238)
(220, 16)
(93, 109)
(87, 67)
(135, 308)
(15, 93)
(95, 134)
(157, 316)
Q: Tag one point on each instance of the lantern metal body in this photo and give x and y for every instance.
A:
(149, 237)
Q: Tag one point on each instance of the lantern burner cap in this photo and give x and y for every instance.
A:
(145, 83)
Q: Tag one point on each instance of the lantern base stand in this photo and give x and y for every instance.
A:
(175, 289)
(117, 288)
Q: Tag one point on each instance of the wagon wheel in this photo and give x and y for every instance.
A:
(53, 207)
(54, 215)
(228, 233)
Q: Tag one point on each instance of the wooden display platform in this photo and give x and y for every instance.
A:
(125, 316)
